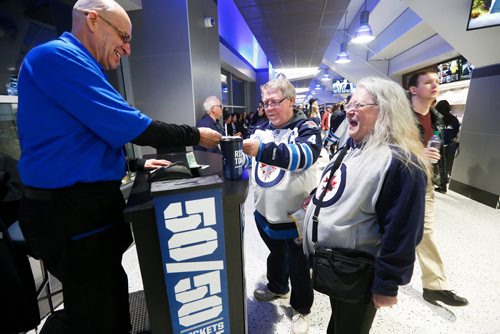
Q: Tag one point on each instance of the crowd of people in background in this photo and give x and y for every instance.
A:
(384, 207)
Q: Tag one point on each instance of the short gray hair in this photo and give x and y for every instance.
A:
(281, 84)
(210, 102)
(100, 5)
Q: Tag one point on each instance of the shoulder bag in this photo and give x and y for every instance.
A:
(344, 274)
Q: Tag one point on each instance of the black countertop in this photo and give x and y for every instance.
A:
(140, 197)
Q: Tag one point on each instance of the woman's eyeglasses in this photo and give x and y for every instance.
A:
(357, 105)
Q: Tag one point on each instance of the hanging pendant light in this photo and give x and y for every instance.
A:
(343, 55)
(326, 76)
(364, 33)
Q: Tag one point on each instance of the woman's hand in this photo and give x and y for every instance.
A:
(305, 202)
(384, 301)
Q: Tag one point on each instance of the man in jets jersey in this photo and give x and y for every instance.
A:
(283, 153)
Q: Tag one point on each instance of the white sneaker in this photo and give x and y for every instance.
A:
(265, 295)
(299, 323)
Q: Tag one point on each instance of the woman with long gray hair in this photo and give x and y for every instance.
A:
(374, 201)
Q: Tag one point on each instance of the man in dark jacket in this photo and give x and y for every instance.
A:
(211, 119)
(450, 136)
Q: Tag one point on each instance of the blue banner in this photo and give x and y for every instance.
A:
(191, 233)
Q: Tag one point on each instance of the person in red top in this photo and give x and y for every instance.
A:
(423, 87)
(325, 121)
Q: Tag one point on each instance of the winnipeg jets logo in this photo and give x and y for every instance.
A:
(335, 187)
(327, 183)
(268, 176)
(266, 171)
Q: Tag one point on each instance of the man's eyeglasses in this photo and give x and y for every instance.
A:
(357, 105)
(123, 35)
(217, 105)
(273, 104)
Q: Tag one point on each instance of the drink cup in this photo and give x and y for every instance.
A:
(232, 157)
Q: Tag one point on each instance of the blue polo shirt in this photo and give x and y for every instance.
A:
(72, 123)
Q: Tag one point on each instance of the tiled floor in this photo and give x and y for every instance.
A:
(469, 240)
(468, 235)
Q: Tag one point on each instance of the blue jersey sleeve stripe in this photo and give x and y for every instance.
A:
(333, 135)
(260, 152)
(309, 155)
(330, 139)
(290, 156)
(294, 157)
(248, 161)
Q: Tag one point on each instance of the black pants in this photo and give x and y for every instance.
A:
(449, 155)
(350, 318)
(80, 234)
(287, 260)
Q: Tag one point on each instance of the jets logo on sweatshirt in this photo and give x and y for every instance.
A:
(268, 176)
(336, 186)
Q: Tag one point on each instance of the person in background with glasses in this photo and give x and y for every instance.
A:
(211, 119)
(283, 152)
(72, 127)
(374, 201)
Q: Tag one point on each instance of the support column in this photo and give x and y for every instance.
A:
(261, 77)
(175, 62)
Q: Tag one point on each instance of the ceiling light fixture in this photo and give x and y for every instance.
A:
(343, 55)
(301, 90)
(364, 33)
(326, 76)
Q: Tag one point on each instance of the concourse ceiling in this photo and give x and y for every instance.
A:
(308, 33)
(409, 35)
(293, 33)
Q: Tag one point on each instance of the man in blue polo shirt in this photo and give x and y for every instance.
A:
(72, 128)
(211, 119)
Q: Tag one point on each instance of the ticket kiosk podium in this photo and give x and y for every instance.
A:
(189, 240)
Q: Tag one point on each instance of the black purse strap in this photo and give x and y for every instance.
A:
(328, 186)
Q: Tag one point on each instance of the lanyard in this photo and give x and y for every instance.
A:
(328, 186)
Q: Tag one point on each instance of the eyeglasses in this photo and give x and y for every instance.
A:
(357, 105)
(123, 35)
(217, 105)
(273, 104)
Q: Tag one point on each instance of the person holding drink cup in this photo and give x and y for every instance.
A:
(283, 153)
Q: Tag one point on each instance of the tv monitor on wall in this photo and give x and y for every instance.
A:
(454, 70)
(484, 13)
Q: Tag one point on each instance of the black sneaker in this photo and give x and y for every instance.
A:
(446, 296)
(440, 190)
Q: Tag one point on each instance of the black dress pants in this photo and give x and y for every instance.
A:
(350, 318)
(80, 234)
